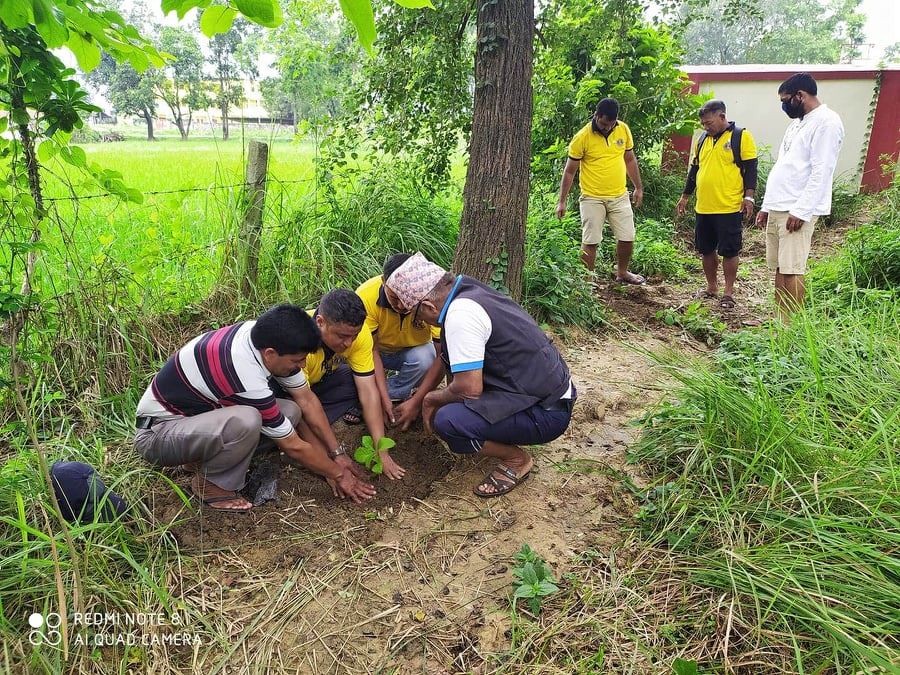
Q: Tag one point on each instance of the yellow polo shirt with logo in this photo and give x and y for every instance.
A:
(602, 170)
(358, 356)
(720, 186)
(394, 332)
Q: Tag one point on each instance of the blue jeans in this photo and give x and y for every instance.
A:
(411, 365)
(465, 431)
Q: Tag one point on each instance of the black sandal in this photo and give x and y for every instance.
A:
(352, 416)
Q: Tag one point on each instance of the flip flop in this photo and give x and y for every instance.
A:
(634, 280)
(209, 501)
(501, 485)
(704, 294)
(216, 499)
(352, 416)
(727, 302)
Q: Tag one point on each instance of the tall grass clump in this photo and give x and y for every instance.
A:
(777, 482)
(127, 566)
(341, 239)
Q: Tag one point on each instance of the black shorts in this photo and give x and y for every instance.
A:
(721, 232)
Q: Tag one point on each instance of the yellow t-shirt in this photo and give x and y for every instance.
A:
(394, 332)
(720, 187)
(358, 356)
(602, 169)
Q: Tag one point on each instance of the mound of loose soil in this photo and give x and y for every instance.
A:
(305, 504)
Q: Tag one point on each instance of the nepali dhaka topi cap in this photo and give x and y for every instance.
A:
(415, 279)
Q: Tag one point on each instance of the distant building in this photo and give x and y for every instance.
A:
(867, 99)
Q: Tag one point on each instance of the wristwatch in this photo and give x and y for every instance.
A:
(338, 451)
(750, 199)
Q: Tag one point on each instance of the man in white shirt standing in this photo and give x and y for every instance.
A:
(799, 187)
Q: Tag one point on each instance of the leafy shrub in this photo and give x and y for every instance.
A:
(343, 240)
(556, 286)
(870, 260)
(655, 252)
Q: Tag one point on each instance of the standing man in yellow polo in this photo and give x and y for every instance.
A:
(723, 171)
(603, 151)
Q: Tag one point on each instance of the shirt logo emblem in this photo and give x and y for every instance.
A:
(728, 145)
(620, 142)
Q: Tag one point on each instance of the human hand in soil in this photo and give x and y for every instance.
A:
(348, 464)
(406, 413)
(350, 486)
(390, 468)
(762, 218)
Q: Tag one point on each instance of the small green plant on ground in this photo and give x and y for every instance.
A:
(696, 319)
(368, 455)
(535, 580)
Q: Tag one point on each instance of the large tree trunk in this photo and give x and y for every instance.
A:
(148, 118)
(491, 243)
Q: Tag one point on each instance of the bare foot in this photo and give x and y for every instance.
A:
(218, 498)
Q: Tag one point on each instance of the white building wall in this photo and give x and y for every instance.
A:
(754, 105)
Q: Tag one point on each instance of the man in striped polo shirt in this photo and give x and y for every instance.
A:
(211, 405)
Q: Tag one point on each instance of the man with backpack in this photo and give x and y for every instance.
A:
(723, 172)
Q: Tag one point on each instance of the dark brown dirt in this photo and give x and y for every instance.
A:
(305, 503)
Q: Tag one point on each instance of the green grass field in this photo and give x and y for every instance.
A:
(171, 244)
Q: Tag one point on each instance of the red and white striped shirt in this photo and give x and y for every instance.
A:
(218, 369)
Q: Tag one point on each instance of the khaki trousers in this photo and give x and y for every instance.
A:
(222, 441)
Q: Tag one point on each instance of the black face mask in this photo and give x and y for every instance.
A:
(792, 111)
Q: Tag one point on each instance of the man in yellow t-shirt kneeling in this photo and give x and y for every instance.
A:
(403, 343)
(725, 197)
(342, 372)
(602, 153)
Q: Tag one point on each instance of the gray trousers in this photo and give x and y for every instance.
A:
(222, 441)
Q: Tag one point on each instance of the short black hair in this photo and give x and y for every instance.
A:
(608, 108)
(392, 262)
(713, 106)
(287, 329)
(799, 82)
(343, 306)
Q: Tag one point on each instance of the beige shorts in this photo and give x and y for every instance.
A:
(787, 252)
(595, 211)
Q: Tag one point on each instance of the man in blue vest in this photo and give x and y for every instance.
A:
(510, 386)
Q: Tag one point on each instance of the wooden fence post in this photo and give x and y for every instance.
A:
(255, 201)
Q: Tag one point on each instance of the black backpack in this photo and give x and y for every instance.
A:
(736, 134)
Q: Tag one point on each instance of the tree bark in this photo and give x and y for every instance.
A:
(148, 118)
(491, 244)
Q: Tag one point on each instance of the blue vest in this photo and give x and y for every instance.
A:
(521, 366)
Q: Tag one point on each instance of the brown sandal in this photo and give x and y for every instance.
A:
(501, 485)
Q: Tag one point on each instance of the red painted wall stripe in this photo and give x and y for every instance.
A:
(885, 137)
